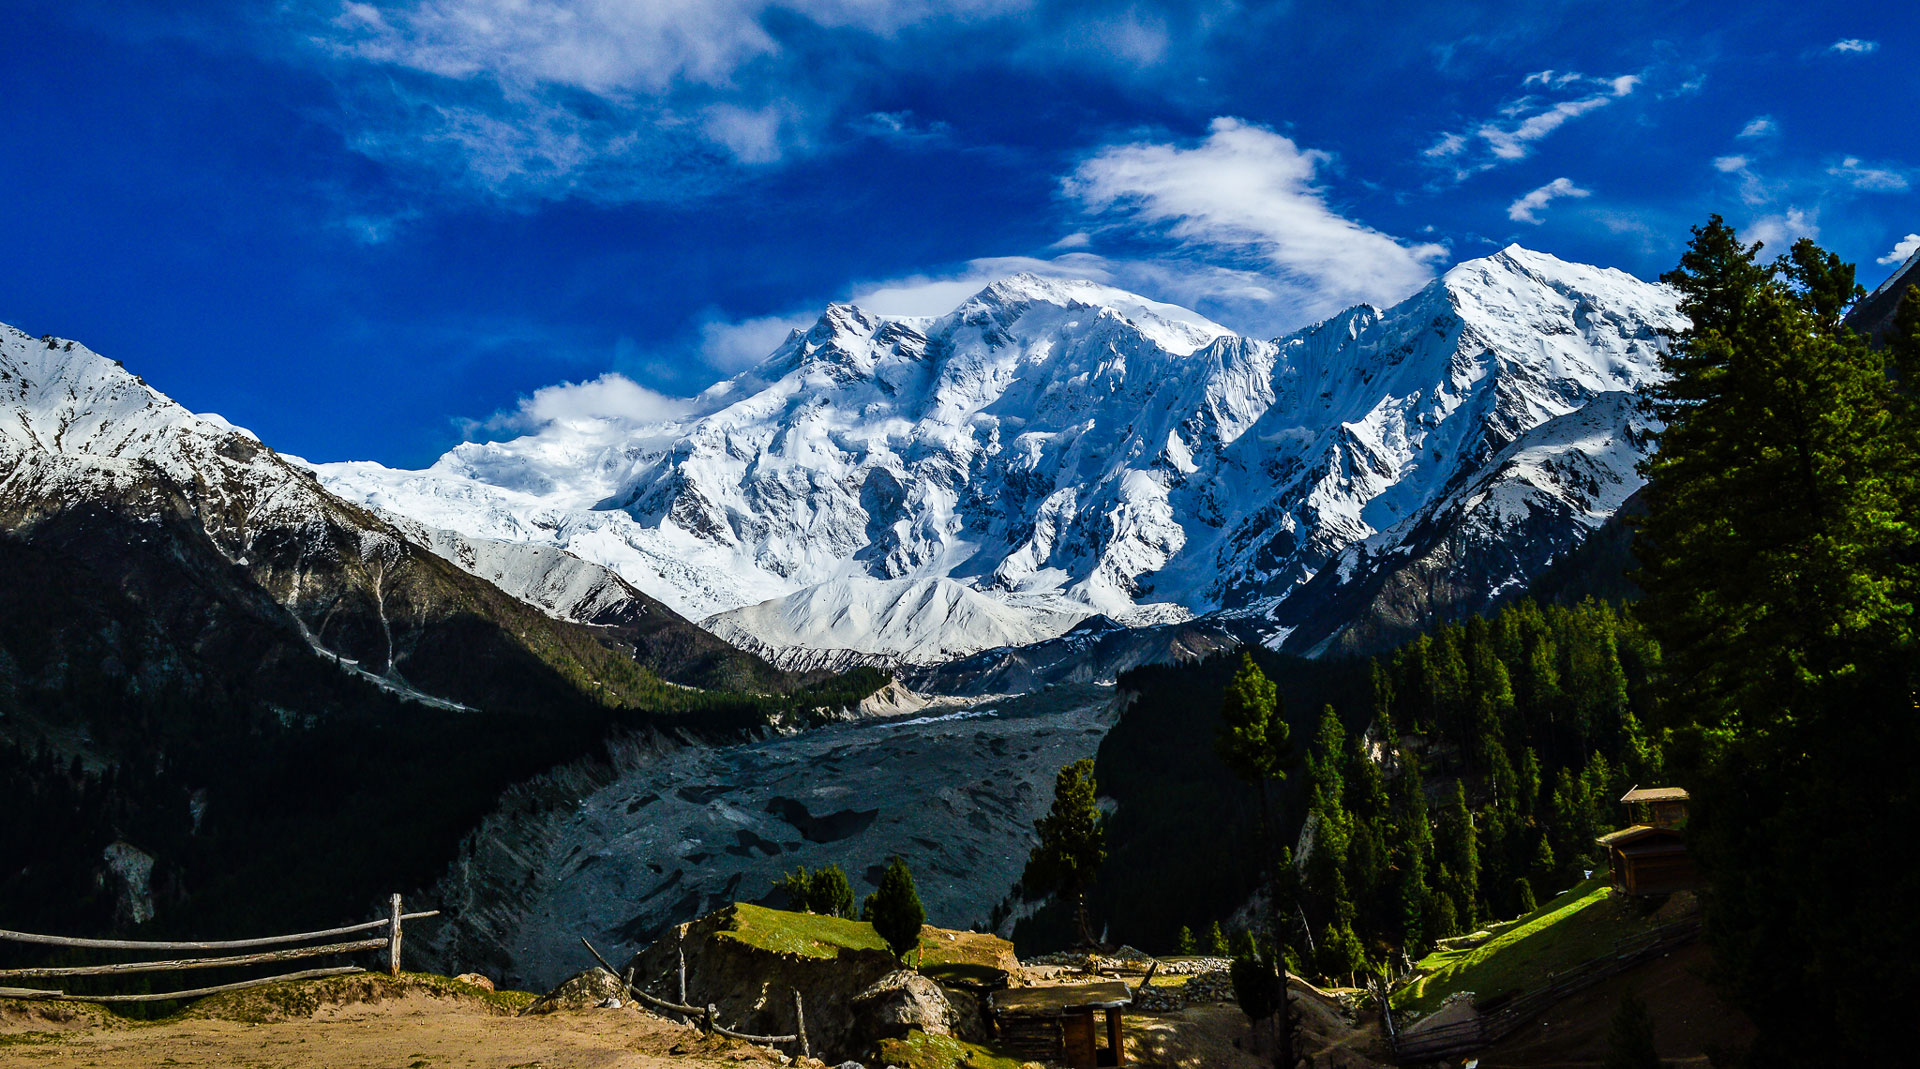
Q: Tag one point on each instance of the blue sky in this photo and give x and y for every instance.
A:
(367, 229)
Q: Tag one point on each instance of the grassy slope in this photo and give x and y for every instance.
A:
(919, 1050)
(1572, 929)
(807, 935)
(810, 935)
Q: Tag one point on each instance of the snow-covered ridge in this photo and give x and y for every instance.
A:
(920, 489)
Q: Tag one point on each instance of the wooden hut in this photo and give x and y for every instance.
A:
(1649, 857)
(1660, 807)
(1077, 1026)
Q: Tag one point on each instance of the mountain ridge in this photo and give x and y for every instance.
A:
(1065, 450)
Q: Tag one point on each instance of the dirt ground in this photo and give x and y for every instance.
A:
(1217, 1036)
(1689, 1019)
(410, 1032)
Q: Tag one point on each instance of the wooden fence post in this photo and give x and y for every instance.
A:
(393, 939)
(800, 1024)
(683, 976)
(707, 1020)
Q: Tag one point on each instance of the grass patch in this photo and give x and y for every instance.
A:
(303, 998)
(922, 1051)
(806, 935)
(1574, 928)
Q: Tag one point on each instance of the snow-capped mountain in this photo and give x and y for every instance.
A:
(95, 462)
(919, 489)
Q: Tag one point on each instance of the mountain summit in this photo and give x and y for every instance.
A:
(917, 489)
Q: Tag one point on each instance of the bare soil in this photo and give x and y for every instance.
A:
(414, 1030)
(1217, 1036)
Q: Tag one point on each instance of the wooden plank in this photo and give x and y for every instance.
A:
(191, 963)
(393, 938)
(168, 996)
(218, 944)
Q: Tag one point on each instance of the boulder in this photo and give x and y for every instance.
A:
(897, 1003)
(587, 990)
(476, 980)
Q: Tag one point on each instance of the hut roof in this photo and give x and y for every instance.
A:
(1053, 1001)
(1635, 834)
(1655, 794)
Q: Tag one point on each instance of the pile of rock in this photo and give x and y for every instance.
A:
(1194, 966)
(1209, 987)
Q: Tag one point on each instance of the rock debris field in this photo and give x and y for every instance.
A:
(955, 792)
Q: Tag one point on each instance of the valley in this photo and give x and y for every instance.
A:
(678, 832)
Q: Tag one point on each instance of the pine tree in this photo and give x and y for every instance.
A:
(1778, 558)
(895, 908)
(1630, 1039)
(1217, 941)
(1459, 854)
(1254, 744)
(1072, 844)
(830, 892)
(1523, 898)
(1184, 944)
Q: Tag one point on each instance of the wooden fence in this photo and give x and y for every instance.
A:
(704, 1015)
(389, 940)
(1501, 1016)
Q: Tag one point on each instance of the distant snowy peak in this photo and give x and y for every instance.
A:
(916, 488)
(59, 396)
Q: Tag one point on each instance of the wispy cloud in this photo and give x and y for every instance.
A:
(1759, 126)
(1902, 251)
(1523, 122)
(1730, 164)
(1246, 197)
(1853, 46)
(1782, 229)
(610, 100)
(1528, 208)
(729, 346)
(610, 398)
(1867, 178)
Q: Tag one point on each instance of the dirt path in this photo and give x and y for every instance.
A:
(411, 1032)
(1216, 1036)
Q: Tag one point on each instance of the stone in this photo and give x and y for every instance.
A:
(897, 1003)
(474, 979)
(582, 991)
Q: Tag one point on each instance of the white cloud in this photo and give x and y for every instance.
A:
(1448, 146)
(611, 397)
(1902, 251)
(1249, 196)
(752, 135)
(1514, 141)
(1759, 126)
(1527, 209)
(730, 346)
(1529, 119)
(1079, 239)
(1781, 230)
(1869, 179)
(611, 47)
(1853, 45)
(1729, 164)
(613, 100)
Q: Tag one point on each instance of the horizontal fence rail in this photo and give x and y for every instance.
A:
(389, 941)
(1430, 1044)
(704, 1015)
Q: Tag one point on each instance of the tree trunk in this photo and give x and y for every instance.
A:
(1283, 1017)
(1080, 916)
